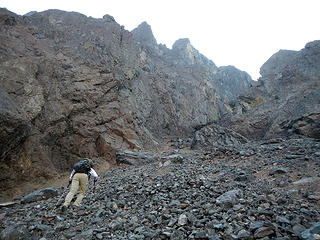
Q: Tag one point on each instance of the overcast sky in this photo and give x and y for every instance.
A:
(242, 33)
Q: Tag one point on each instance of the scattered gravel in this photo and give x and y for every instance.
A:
(229, 192)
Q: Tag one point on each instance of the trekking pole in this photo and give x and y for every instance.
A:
(94, 185)
(59, 200)
(50, 216)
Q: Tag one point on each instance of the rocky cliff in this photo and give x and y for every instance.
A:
(285, 101)
(74, 86)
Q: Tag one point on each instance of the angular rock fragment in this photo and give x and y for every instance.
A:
(41, 194)
(230, 198)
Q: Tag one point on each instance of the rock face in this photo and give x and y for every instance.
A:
(73, 86)
(144, 36)
(213, 135)
(186, 89)
(62, 80)
(285, 101)
(13, 124)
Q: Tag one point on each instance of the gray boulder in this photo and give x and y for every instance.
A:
(214, 135)
(312, 233)
(230, 198)
(15, 231)
(175, 158)
(41, 194)
(135, 158)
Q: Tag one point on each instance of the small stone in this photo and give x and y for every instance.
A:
(313, 197)
(166, 233)
(99, 236)
(298, 229)
(228, 199)
(183, 219)
(278, 171)
(291, 156)
(7, 204)
(237, 207)
(307, 180)
(316, 236)
(280, 219)
(114, 225)
(70, 235)
(242, 178)
(243, 234)
(172, 222)
(183, 205)
(263, 232)
(281, 201)
(313, 230)
(200, 235)
(62, 226)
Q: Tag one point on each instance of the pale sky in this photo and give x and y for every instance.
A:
(242, 33)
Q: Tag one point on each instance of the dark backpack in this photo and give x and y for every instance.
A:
(82, 167)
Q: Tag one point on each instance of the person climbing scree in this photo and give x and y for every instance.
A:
(80, 174)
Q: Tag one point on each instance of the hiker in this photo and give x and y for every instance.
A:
(79, 178)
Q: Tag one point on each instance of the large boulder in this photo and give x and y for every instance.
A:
(41, 194)
(213, 136)
(135, 158)
(15, 231)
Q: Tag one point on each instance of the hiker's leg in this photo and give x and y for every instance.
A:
(83, 182)
(73, 190)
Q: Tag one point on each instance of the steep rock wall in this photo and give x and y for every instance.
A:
(74, 86)
(285, 101)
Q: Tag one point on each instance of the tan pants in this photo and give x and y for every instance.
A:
(78, 180)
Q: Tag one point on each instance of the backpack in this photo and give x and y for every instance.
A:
(82, 167)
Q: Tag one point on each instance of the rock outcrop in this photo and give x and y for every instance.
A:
(73, 86)
(285, 101)
(213, 135)
(76, 86)
(144, 36)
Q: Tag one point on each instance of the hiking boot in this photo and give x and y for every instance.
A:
(75, 208)
(63, 209)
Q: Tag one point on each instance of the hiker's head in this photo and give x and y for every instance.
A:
(89, 162)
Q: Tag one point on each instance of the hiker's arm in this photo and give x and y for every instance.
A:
(93, 174)
(71, 176)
